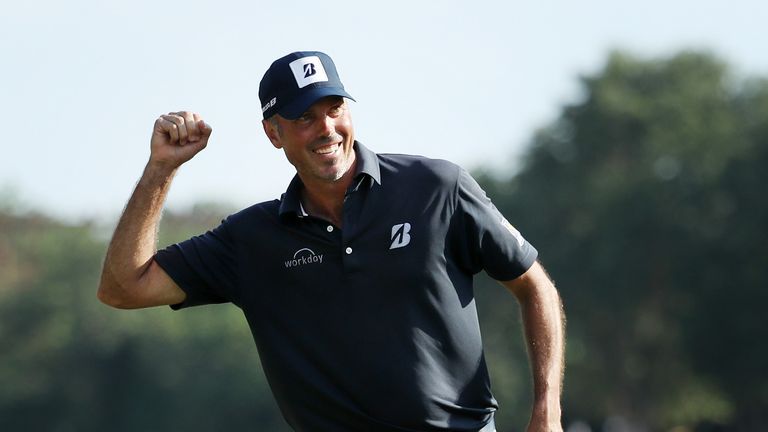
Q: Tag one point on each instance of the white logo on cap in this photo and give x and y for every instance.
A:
(269, 104)
(308, 70)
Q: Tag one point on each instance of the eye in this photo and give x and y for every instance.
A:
(304, 118)
(336, 110)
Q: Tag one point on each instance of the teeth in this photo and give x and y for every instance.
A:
(327, 150)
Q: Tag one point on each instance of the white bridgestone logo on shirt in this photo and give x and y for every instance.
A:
(302, 257)
(400, 235)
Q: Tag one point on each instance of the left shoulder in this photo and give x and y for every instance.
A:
(420, 168)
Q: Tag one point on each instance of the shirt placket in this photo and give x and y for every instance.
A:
(351, 258)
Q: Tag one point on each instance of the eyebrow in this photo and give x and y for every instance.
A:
(337, 101)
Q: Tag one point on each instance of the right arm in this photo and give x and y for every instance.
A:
(131, 278)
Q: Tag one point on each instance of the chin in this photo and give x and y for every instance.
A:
(334, 177)
(335, 174)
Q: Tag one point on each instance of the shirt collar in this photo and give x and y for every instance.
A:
(367, 164)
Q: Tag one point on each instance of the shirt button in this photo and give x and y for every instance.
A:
(348, 250)
(330, 228)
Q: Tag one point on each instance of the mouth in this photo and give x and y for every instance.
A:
(328, 149)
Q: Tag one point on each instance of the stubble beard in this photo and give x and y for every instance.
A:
(336, 174)
(346, 162)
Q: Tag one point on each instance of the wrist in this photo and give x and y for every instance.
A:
(545, 417)
(159, 171)
(547, 408)
(547, 402)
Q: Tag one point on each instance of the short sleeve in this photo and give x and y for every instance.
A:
(203, 266)
(483, 238)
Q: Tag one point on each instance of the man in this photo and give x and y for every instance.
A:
(357, 283)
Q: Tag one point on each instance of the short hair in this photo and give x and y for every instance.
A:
(276, 124)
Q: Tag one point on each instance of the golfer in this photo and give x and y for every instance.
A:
(357, 284)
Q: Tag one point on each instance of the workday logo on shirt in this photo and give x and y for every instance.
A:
(302, 257)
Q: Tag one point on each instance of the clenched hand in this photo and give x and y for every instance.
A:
(177, 137)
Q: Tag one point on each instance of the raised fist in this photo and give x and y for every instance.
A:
(177, 137)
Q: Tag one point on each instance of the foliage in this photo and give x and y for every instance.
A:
(644, 199)
(71, 363)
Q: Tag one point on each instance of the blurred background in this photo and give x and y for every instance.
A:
(627, 142)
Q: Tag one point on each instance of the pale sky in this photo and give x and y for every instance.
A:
(81, 82)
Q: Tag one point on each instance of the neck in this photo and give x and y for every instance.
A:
(326, 199)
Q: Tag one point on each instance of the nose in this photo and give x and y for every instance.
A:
(327, 126)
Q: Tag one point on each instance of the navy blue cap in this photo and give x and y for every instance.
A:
(294, 82)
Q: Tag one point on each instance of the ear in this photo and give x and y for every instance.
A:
(272, 133)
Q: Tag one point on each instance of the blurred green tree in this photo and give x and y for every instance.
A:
(68, 362)
(645, 200)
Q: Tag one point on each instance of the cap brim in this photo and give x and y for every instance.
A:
(299, 106)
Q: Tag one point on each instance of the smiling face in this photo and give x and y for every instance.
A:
(319, 143)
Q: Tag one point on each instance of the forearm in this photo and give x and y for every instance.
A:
(134, 241)
(544, 323)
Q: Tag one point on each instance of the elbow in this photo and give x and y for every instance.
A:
(113, 301)
(109, 294)
(108, 298)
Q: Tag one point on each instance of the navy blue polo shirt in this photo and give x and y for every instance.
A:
(370, 326)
